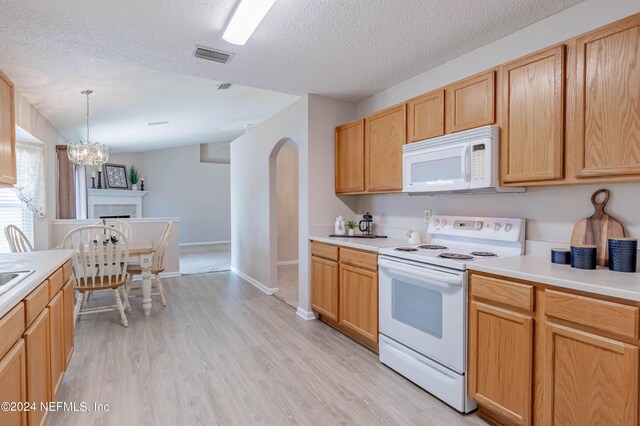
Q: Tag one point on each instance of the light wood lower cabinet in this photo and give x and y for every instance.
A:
(68, 304)
(13, 384)
(344, 291)
(589, 379)
(56, 330)
(324, 287)
(501, 346)
(567, 359)
(37, 345)
(359, 302)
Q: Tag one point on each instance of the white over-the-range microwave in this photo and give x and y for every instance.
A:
(460, 162)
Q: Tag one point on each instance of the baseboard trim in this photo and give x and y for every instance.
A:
(162, 275)
(305, 315)
(263, 288)
(288, 262)
(204, 243)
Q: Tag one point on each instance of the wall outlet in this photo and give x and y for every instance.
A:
(427, 215)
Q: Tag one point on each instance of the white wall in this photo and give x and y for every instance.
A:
(30, 119)
(310, 122)
(551, 212)
(180, 185)
(287, 195)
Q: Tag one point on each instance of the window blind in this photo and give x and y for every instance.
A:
(13, 212)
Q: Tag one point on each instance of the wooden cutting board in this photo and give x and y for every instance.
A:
(598, 228)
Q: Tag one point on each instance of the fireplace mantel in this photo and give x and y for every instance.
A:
(114, 198)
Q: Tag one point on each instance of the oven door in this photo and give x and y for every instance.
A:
(423, 307)
(440, 168)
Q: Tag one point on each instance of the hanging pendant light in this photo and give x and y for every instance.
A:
(88, 153)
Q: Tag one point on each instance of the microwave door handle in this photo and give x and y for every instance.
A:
(466, 164)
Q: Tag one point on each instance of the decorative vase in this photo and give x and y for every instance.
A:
(352, 232)
(134, 187)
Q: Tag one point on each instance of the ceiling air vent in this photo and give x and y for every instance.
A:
(224, 86)
(212, 55)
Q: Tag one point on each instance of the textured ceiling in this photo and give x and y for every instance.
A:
(348, 49)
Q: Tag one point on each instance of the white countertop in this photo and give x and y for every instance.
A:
(44, 263)
(368, 244)
(538, 269)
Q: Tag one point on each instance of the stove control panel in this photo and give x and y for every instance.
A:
(490, 228)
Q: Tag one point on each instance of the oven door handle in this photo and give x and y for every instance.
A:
(442, 279)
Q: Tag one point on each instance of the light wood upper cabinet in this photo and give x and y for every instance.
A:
(13, 384)
(349, 161)
(532, 143)
(589, 380)
(7, 133)
(385, 135)
(56, 333)
(359, 302)
(607, 110)
(37, 346)
(425, 116)
(471, 102)
(501, 361)
(324, 287)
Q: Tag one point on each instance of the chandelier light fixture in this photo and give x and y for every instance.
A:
(88, 153)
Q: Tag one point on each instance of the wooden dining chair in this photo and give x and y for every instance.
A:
(120, 225)
(157, 265)
(18, 242)
(100, 260)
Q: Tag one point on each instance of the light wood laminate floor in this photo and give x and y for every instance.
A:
(222, 352)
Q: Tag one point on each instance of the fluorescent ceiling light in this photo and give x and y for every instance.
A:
(245, 20)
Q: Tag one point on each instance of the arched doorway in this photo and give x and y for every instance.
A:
(284, 188)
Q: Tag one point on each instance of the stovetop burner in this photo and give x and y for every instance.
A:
(456, 256)
(432, 247)
(483, 253)
(406, 249)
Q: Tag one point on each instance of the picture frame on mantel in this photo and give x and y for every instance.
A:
(115, 176)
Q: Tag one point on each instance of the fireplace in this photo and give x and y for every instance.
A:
(114, 203)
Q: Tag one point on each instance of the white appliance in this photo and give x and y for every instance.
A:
(464, 161)
(422, 293)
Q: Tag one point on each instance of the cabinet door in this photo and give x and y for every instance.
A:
(69, 325)
(56, 332)
(13, 384)
(501, 361)
(425, 116)
(589, 380)
(324, 287)
(385, 135)
(359, 302)
(37, 345)
(608, 100)
(471, 102)
(7, 133)
(532, 144)
(349, 157)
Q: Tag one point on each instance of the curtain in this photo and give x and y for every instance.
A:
(80, 173)
(66, 185)
(30, 187)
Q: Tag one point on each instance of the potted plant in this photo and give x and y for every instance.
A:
(133, 177)
(352, 225)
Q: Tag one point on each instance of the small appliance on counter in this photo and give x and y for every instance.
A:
(366, 224)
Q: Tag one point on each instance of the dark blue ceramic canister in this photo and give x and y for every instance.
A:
(561, 256)
(623, 253)
(583, 256)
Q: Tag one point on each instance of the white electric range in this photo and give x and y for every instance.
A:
(422, 293)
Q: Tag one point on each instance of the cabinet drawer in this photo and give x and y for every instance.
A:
(56, 281)
(502, 291)
(359, 259)
(602, 315)
(324, 251)
(11, 328)
(67, 269)
(36, 301)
